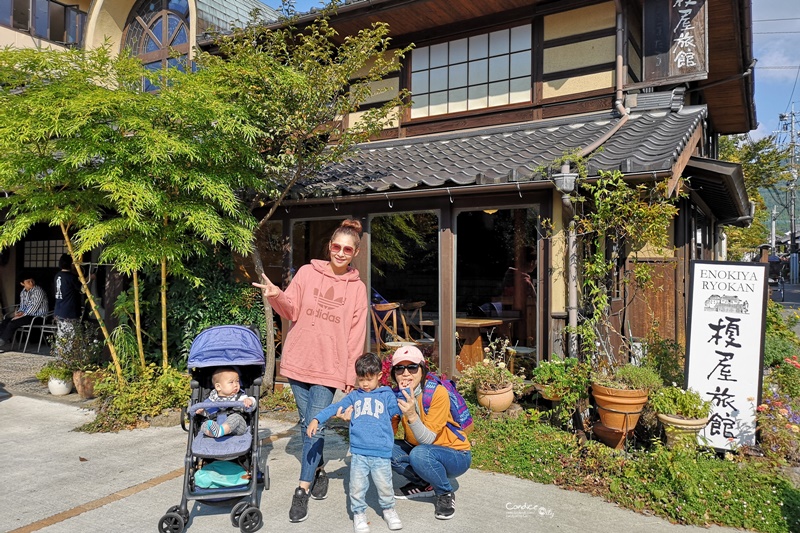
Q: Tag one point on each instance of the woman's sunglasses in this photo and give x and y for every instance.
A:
(346, 250)
(412, 368)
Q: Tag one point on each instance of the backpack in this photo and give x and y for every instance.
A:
(458, 407)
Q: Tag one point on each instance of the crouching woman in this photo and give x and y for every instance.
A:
(431, 452)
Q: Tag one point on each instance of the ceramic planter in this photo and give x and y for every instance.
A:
(59, 387)
(619, 409)
(610, 437)
(496, 400)
(681, 430)
(84, 383)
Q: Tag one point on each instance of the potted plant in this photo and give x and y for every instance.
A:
(490, 381)
(683, 413)
(622, 394)
(80, 350)
(57, 377)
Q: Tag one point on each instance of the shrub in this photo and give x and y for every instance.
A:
(676, 401)
(665, 356)
(778, 420)
(629, 376)
(777, 348)
(787, 377)
(54, 369)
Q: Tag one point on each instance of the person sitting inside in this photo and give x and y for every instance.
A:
(370, 409)
(32, 304)
(226, 389)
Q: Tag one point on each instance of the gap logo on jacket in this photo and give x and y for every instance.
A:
(371, 432)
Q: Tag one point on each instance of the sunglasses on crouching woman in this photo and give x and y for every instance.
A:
(413, 368)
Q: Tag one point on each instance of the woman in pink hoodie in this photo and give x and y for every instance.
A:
(326, 302)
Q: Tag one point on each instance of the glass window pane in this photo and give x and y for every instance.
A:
(498, 93)
(419, 106)
(438, 81)
(521, 64)
(179, 6)
(478, 72)
(158, 28)
(498, 68)
(521, 38)
(419, 82)
(419, 59)
(458, 76)
(438, 55)
(498, 42)
(5, 12)
(21, 14)
(478, 46)
(458, 100)
(438, 103)
(150, 45)
(180, 37)
(41, 18)
(520, 90)
(478, 97)
(458, 51)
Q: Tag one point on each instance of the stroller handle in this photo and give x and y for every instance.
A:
(220, 405)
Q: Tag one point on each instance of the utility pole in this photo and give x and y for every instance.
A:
(772, 228)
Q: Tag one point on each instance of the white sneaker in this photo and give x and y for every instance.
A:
(360, 524)
(392, 520)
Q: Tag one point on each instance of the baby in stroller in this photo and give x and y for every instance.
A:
(223, 462)
(226, 389)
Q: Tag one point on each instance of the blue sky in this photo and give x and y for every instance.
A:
(775, 47)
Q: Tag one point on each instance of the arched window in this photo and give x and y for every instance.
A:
(155, 30)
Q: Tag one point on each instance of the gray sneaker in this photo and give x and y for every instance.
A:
(299, 510)
(445, 506)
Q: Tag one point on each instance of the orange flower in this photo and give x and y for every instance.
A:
(784, 412)
(762, 407)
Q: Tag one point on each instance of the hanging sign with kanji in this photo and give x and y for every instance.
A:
(725, 346)
(675, 40)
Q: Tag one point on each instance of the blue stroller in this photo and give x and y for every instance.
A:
(240, 348)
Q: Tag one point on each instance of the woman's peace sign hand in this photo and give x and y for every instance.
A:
(268, 288)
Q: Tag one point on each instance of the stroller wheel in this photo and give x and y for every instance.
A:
(251, 520)
(171, 523)
(236, 512)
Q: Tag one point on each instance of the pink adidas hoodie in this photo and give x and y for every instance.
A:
(329, 325)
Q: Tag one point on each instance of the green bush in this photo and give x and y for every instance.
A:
(778, 347)
(127, 405)
(629, 376)
(665, 356)
(54, 369)
(676, 401)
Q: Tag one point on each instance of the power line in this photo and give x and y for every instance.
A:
(781, 67)
(772, 32)
(776, 20)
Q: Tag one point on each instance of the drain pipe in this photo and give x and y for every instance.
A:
(566, 177)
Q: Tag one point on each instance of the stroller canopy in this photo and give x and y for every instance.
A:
(226, 346)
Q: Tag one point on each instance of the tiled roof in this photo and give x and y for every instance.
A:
(650, 141)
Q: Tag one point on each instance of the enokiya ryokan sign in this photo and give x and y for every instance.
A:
(675, 40)
(725, 346)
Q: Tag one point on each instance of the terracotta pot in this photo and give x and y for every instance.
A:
(682, 431)
(619, 409)
(496, 400)
(84, 383)
(542, 390)
(59, 387)
(610, 437)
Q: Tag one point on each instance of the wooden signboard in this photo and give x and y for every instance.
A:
(725, 346)
(675, 40)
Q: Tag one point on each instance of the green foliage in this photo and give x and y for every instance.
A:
(617, 221)
(778, 420)
(665, 356)
(80, 350)
(777, 348)
(677, 401)
(764, 165)
(128, 404)
(680, 485)
(279, 400)
(54, 369)
(629, 376)
(566, 379)
(786, 376)
(492, 373)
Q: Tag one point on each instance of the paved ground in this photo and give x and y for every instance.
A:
(59, 480)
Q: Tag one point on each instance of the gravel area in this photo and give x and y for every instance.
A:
(18, 377)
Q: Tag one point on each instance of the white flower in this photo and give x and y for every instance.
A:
(501, 364)
(487, 361)
(486, 350)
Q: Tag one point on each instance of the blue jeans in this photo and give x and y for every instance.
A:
(310, 400)
(361, 466)
(430, 463)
